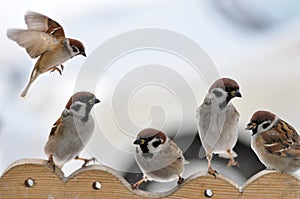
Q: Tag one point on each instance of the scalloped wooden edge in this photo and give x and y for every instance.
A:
(50, 184)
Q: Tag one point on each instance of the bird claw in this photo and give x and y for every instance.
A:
(134, 186)
(55, 69)
(212, 172)
(51, 162)
(180, 180)
(86, 161)
(53, 166)
(52, 69)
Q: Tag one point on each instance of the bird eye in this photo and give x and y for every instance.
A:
(156, 143)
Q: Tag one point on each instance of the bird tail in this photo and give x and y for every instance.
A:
(33, 77)
(25, 91)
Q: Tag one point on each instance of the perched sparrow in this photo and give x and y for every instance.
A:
(158, 156)
(218, 121)
(72, 131)
(45, 38)
(275, 142)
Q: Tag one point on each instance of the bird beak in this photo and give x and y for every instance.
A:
(83, 53)
(235, 93)
(139, 141)
(94, 101)
(251, 126)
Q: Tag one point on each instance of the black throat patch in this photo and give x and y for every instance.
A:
(144, 147)
(147, 155)
(223, 104)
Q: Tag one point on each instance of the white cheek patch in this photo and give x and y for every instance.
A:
(152, 148)
(218, 95)
(264, 127)
(79, 107)
(75, 50)
(261, 128)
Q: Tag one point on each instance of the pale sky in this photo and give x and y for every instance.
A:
(266, 64)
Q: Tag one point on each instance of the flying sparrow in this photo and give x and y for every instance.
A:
(72, 131)
(275, 142)
(158, 156)
(218, 121)
(45, 38)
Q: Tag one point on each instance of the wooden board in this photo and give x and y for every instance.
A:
(82, 183)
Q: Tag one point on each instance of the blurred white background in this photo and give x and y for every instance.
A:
(257, 43)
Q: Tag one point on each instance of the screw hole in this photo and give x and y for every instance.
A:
(208, 193)
(29, 182)
(97, 185)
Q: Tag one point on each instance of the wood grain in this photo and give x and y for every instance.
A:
(50, 184)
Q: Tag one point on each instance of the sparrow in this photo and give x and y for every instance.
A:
(159, 158)
(72, 131)
(45, 38)
(275, 142)
(217, 121)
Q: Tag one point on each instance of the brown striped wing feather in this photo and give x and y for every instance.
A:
(55, 127)
(282, 140)
(42, 23)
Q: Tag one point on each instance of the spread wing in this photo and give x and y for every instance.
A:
(282, 140)
(42, 23)
(35, 43)
(42, 33)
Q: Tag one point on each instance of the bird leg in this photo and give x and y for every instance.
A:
(86, 161)
(137, 184)
(52, 69)
(62, 67)
(50, 161)
(231, 161)
(180, 180)
(210, 169)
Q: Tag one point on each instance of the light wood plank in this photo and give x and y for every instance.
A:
(50, 184)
